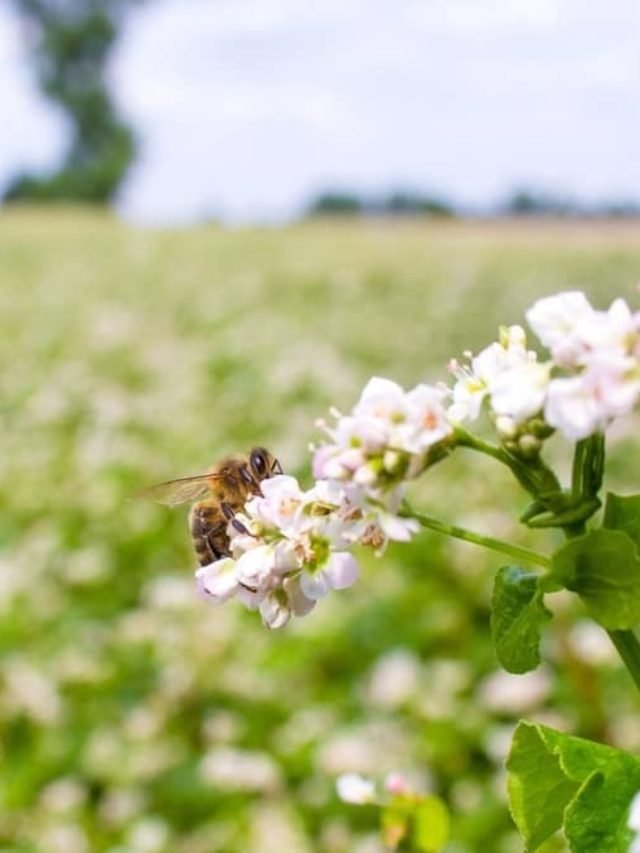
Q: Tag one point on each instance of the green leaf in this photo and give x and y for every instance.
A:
(430, 825)
(603, 567)
(538, 788)
(622, 512)
(557, 782)
(517, 617)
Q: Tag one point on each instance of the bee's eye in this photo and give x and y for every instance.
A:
(258, 463)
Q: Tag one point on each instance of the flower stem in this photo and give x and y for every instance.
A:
(628, 648)
(489, 542)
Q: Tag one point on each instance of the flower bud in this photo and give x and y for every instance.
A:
(506, 426)
(529, 446)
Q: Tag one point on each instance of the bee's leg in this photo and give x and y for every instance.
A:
(229, 513)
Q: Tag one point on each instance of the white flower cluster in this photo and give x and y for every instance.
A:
(290, 548)
(386, 439)
(592, 377)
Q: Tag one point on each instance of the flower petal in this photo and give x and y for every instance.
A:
(342, 570)
(218, 581)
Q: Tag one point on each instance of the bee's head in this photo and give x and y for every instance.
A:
(263, 464)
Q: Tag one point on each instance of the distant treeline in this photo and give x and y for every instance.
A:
(522, 202)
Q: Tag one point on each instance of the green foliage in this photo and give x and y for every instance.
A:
(518, 615)
(71, 43)
(622, 512)
(561, 782)
(603, 567)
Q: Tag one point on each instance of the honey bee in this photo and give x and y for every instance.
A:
(219, 494)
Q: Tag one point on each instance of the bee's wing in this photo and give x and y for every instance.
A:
(174, 492)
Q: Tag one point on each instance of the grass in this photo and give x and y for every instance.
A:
(136, 718)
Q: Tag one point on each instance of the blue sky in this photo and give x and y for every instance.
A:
(244, 108)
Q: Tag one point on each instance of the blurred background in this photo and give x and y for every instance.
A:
(219, 220)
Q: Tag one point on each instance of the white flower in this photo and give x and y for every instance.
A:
(340, 571)
(581, 405)
(557, 320)
(575, 332)
(218, 580)
(387, 436)
(289, 549)
(258, 568)
(279, 504)
(507, 373)
(275, 610)
(425, 421)
(353, 788)
(520, 391)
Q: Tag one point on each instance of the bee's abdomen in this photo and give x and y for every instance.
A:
(208, 530)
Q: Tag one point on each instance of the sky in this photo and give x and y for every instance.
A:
(246, 108)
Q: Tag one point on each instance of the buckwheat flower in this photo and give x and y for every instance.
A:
(355, 789)
(520, 392)
(279, 504)
(386, 438)
(614, 331)
(339, 571)
(557, 321)
(576, 333)
(260, 568)
(582, 405)
(218, 580)
(506, 373)
(289, 548)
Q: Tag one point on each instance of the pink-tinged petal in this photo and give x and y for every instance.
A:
(377, 387)
(275, 612)
(397, 529)
(342, 570)
(279, 487)
(321, 459)
(553, 318)
(298, 601)
(255, 567)
(572, 409)
(218, 581)
(395, 783)
(314, 586)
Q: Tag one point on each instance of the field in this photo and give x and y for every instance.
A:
(134, 717)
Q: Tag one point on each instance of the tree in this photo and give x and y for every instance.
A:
(71, 41)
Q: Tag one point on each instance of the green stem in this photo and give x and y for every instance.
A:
(628, 648)
(625, 642)
(534, 476)
(467, 439)
(478, 539)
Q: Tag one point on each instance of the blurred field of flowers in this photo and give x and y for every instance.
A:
(136, 718)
